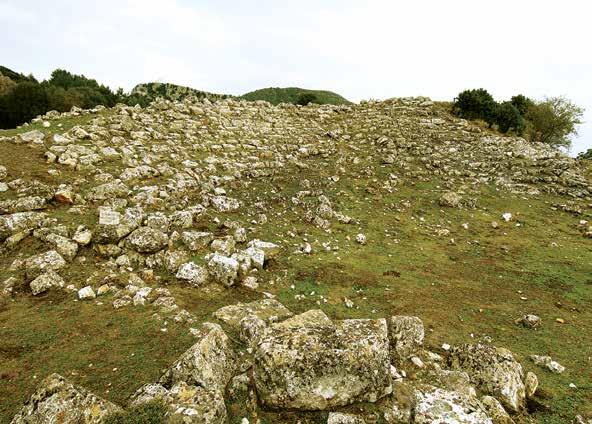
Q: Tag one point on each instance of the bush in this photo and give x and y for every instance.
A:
(23, 98)
(475, 104)
(6, 85)
(553, 121)
(148, 413)
(508, 117)
(24, 102)
(586, 155)
(306, 98)
(522, 103)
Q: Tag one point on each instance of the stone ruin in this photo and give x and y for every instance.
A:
(308, 362)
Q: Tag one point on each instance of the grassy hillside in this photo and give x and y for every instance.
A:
(468, 279)
(276, 95)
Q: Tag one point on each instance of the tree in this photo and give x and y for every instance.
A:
(306, 98)
(508, 117)
(6, 85)
(23, 103)
(553, 121)
(522, 103)
(475, 104)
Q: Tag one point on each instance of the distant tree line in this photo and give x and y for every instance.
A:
(551, 121)
(23, 98)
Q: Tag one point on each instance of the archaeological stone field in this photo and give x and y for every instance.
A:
(231, 261)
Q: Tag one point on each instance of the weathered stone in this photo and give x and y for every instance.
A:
(223, 269)
(209, 363)
(308, 362)
(434, 405)
(43, 262)
(494, 371)
(19, 222)
(32, 136)
(196, 275)
(548, 362)
(45, 282)
(271, 250)
(197, 240)
(225, 204)
(185, 403)
(86, 293)
(450, 199)
(341, 418)
(82, 236)
(496, 411)
(268, 310)
(147, 240)
(24, 204)
(59, 401)
(114, 226)
(531, 383)
(406, 336)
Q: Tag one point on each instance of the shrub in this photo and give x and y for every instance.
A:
(553, 121)
(522, 103)
(586, 155)
(6, 85)
(508, 117)
(148, 413)
(475, 104)
(24, 102)
(306, 98)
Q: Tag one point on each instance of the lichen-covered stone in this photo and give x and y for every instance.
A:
(435, 405)
(308, 362)
(185, 403)
(406, 336)
(209, 363)
(57, 401)
(147, 240)
(494, 371)
(43, 262)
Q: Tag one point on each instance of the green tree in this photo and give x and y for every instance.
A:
(23, 103)
(306, 98)
(522, 103)
(553, 121)
(508, 117)
(475, 104)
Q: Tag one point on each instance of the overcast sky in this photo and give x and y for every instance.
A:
(360, 49)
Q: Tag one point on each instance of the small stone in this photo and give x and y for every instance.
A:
(86, 293)
(531, 383)
(361, 239)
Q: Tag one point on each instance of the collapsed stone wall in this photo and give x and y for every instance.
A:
(309, 362)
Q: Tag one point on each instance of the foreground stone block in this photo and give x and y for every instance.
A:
(494, 371)
(310, 363)
(59, 401)
(186, 404)
(406, 335)
(441, 406)
(208, 363)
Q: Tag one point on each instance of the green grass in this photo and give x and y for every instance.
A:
(276, 95)
(148, 413)
(464, 291)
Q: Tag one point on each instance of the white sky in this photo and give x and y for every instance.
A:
(360, 49)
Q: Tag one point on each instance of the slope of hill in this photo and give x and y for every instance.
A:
(275, 95)
(384, 261)
(148, 92)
